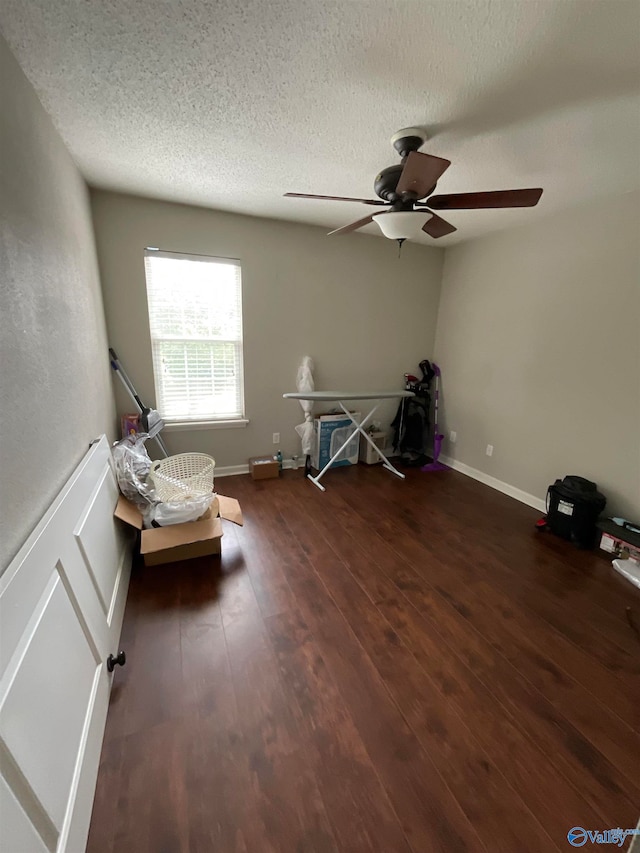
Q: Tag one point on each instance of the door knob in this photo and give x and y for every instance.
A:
(120, 659)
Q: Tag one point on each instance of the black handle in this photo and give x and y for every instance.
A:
(119, 659)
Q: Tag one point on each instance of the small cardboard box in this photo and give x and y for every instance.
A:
(181, 541)
(264, 467)
(330, 433)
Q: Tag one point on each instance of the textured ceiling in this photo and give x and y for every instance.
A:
(229, 104)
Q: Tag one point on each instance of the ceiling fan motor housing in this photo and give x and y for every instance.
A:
(386, 182)
(385, 185)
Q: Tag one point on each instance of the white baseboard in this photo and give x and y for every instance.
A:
(505, 488)
(474, 473)
(232, 470)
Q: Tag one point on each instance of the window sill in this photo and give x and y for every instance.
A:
(178, 426)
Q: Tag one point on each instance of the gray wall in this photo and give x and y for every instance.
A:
(365, 316)
(539, 343)
(55, 391)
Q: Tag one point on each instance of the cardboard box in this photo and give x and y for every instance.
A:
(618, 541)
(618, 547)
(199, 538)
(264, 467)
(367, 453)
(330, 433)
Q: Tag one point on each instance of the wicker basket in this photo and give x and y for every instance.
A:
(181, 477)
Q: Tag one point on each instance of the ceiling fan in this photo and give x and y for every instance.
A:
(406, 194)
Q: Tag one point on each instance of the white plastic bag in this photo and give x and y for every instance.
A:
(304, 384)
(179, 512)
(629, 569)
(132, 467)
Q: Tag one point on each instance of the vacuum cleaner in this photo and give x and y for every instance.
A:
(150, 419)
(438, 438)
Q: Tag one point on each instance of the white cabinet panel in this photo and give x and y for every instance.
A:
(61, 607)
(99, 543)
(45, 708)
(17, 833)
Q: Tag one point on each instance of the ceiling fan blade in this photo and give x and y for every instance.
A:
(335, 198)
(353, 226)
(474, 201)
(421, 173)
(438, 227)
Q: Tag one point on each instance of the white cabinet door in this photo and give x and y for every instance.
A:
(18, 833)
(61, 606)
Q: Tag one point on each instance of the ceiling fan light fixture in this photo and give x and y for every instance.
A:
(402, 224)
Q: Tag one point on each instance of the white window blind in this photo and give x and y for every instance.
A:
(195, 316)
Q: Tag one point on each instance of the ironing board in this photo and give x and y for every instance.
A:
(342, 397)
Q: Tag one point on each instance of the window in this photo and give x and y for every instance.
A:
(195, 316)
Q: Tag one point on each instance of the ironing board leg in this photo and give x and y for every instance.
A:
(393, 470)
(359, 428)
(385, 462)
(316, 480)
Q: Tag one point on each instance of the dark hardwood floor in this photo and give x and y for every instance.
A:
(388, 666)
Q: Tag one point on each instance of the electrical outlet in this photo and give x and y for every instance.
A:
(489, 449)
(453, 436)
(276, 438)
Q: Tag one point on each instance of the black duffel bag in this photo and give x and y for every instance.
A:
(573, 507)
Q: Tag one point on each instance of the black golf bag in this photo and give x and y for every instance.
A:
(411, 423)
